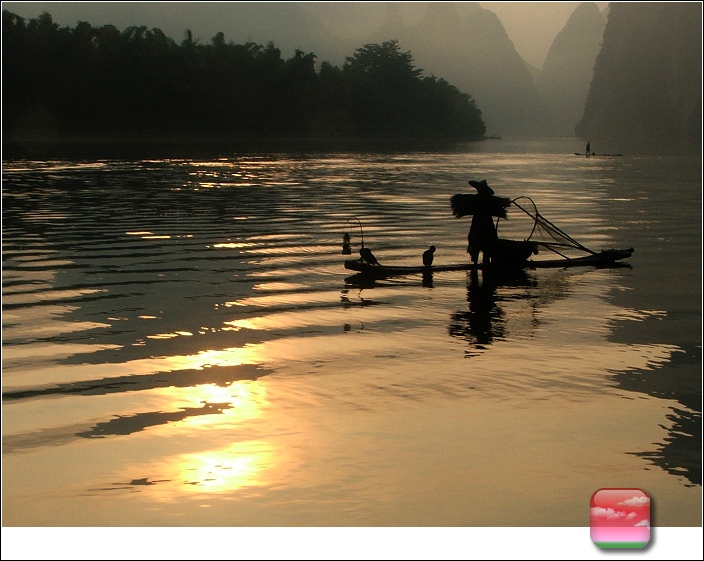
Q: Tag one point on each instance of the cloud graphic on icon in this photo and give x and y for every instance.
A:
(635, 501)
(608, 513)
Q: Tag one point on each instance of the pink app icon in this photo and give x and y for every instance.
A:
(620, 518)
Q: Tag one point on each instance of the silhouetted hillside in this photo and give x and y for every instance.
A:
(647, 83)
(644, 84)
(467, 45)
(63, 81)
(471, 49)
(569, 67)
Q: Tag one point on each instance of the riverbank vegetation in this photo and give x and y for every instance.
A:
(100, 81)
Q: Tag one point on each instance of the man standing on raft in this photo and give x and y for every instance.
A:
(482, 235)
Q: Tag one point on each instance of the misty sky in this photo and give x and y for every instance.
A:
(532, 26)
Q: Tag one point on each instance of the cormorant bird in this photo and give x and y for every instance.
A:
(367, 255)
(428, 256)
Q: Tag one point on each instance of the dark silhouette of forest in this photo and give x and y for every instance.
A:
(67, 82)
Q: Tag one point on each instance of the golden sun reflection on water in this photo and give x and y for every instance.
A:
(233, 356)
(222, 469)
(241, 400)
(233, 467)
(232, 245)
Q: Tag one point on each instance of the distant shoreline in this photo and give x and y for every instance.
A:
(161, 137)
(20, 146)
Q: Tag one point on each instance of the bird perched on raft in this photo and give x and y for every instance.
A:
(366, 255)
(428, 256)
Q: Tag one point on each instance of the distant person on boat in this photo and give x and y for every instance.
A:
(428, 256)
(482, 236)
(588, 150)
(366, 255)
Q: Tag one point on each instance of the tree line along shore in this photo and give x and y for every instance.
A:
(85, 81)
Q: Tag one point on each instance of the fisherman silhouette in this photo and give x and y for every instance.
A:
(588, 150)
(428, 256)
(482, 234)
(366, 255)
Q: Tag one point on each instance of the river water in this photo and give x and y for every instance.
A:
(182, 345)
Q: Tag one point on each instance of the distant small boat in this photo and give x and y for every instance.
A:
(583, 154)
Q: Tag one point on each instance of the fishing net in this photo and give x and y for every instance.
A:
(546, 235)
(512, 245)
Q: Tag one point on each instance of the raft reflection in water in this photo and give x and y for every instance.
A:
(488, 294)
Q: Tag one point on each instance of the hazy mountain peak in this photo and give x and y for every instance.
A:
(580, 26)
(567, 73)
(441, 20)
(392, 26)
(647, 80)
